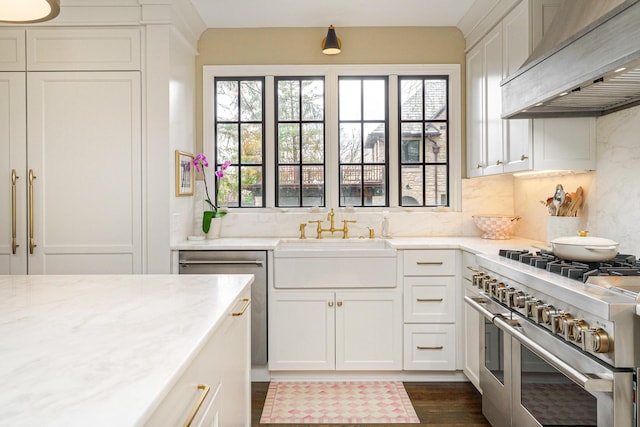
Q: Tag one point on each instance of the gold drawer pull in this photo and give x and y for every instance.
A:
(246, 301)
(429, 262)
(205, 390)
(438, 347)
(429, 299)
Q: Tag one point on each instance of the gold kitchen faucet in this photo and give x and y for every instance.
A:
(332, 228)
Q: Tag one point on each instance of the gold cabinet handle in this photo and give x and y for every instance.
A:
(498, 162)
(524, 157)
(429, 299)
(32, 244)
(429, 262)
(330, 303)
(479, 166)
(339, 303)
(205, 390)
(246, 302)
(475, 270)
(14, 242)
(437, 347)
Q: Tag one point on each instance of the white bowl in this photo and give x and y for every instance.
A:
(495, 227)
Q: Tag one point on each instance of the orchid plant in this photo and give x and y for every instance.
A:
(200, 162)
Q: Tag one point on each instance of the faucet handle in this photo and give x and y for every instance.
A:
(345, 227)
(319, 228)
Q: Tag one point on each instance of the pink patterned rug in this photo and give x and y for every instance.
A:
(344, 402)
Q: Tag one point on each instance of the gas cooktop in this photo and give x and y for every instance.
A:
(621, 265)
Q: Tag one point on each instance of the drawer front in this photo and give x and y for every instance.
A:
(468, 262)
(430, 299)
(429, 347)
(429, 262)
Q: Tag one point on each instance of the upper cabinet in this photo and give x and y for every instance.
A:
(496, 146)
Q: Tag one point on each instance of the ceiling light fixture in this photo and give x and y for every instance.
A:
(28, 11)
(331, 44)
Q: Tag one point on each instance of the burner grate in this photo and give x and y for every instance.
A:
(621, 265)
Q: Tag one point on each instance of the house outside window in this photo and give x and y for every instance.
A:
(239, 130)
(300, 141)
(363, 124)
(424, 140)
(373, 137)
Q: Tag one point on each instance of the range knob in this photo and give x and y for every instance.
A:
(547, 312)
(495, 289)
(511, 295)
(576, 331)
(486, 284)
(519, 299)
(558, 322)
(477, 279)
(531, 307)
(595, 340)
(505, 294)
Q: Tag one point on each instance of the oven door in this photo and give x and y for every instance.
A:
(551, 382)
(495, 363)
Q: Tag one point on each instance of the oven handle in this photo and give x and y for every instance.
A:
(589, 382)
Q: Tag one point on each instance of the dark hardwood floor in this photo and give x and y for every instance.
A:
(436, 404)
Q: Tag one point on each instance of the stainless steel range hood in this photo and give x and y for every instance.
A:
(588, 64)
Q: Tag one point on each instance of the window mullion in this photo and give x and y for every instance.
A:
(393, 145)
(269, 173)
(332, 155)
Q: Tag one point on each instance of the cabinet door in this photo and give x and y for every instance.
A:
(301, 331)
(567, 143)
(493, 63)
(236, 376)
(475, 112)
(13, 158)
(368, 330)
(84, 148)
(517, 149)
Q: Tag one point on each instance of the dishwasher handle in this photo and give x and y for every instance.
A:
(257, 262)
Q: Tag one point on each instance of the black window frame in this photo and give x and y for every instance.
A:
(300, 164)
(362, 122)
(423, 121)
(240, 164)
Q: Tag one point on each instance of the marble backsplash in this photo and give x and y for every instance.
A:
(612, 204)
(490, 195)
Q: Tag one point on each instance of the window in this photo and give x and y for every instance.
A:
(424, 141)
(365, 136)
(239, 130)
(300, 146)
(362, 111)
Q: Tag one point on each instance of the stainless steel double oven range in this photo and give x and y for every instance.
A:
(556, 350)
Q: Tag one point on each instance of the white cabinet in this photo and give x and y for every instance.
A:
(216, 386)
(341, 330)
(74, 141)
(429, 281)
(471, 324)
(497, 146)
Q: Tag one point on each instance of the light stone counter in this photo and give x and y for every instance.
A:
(102, 350)
(468, 243)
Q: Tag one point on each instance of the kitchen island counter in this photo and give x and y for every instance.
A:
(102, 350)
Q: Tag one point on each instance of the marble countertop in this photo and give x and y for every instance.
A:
(468, 243)
(102, 350)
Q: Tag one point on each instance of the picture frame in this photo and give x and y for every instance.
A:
(185, 176)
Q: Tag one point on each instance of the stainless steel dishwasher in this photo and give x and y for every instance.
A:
(238, 262)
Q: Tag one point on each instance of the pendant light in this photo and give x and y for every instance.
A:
(28, 11)
(331, 44)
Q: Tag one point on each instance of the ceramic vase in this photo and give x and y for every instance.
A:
(562, 226)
